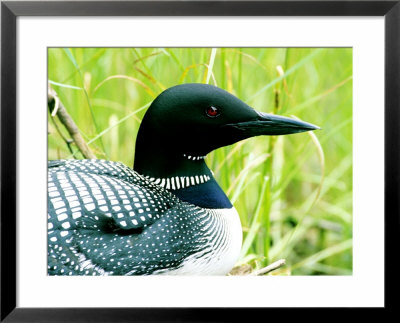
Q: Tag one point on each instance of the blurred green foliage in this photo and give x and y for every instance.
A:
(293, 193)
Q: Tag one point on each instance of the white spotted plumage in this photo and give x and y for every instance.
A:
(105, 191)
(222, 248)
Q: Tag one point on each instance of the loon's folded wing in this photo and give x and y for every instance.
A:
(96, 166)
(74, 191)
(154, 249)
(96, 201)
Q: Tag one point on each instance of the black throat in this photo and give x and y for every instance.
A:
(207, 195)
(164, 166)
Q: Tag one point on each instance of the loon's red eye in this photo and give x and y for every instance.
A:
(212, 112)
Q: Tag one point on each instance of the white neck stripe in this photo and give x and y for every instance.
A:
(194, 157)
(176, 183)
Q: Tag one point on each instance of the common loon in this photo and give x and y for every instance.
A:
(167, 215)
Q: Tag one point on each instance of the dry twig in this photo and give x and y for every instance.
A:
(275, 265)
(57, 108)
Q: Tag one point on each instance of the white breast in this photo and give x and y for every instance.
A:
(223, 247)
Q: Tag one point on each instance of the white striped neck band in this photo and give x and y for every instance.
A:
(178, 182)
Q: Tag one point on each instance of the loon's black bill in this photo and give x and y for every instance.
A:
(270, 124)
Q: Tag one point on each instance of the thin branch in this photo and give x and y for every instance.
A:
(275, 265)
(53, 101)
(67, 141)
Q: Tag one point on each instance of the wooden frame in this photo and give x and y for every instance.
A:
(10, 10)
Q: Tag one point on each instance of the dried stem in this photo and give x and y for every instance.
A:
(275, 265)
(56, 107)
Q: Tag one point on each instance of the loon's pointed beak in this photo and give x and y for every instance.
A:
(270, 124)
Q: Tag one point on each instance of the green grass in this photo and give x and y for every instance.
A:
(293, 193)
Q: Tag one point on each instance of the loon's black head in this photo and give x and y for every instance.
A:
(195, 119)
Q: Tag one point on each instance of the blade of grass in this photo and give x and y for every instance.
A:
(148, 74)
(75, 63)
(116, 124)
(328, 252)
(244, 182)
(194, 66)
(125, 77)
(251, 164)
(210, 66)
(336, 210)
(150, 78)
(231, 153)
(245, 55)
(90, 60)
(288, 72)
(318, 97)
(141, 59)
(175, 59)
(255, 225)
(328, 270)
(65, 85)
(313, 198)
(295, 164)
(119, 122)
(229, 80)
(109, 104)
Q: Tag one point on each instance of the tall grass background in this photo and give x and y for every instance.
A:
(293, 193)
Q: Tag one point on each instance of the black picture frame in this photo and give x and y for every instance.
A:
(11, 10)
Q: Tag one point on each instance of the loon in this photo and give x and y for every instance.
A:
(167, 215)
